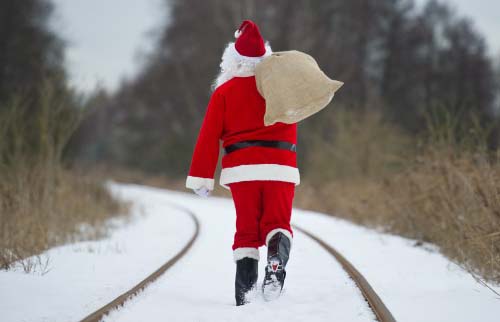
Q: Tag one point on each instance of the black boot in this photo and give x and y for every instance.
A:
(246, 277)
(278, 251)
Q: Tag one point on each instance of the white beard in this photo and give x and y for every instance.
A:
(235, 65)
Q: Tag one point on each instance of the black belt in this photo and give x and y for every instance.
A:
(268, 144)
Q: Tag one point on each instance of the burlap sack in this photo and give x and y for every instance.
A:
(293, 86)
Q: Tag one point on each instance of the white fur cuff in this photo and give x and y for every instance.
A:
(197, 183)
(242, 252)
(278, 230)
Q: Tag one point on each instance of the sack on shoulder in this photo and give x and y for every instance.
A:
(293, 86)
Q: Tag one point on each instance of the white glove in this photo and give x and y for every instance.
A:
(202, 192)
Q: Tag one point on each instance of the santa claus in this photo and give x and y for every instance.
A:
(259, 165)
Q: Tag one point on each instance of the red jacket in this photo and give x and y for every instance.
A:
(236, 113)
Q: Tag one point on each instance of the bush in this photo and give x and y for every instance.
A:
(446, 191)
(42, 204)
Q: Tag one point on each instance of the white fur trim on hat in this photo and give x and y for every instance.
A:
(251, 172)
(197, 183)
(278, 230)
(236, 65)
(242, 252)
(237, 33)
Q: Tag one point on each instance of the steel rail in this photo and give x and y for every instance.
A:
(97, 315)
(378, 307)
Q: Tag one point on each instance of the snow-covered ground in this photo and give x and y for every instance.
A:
(416, 284)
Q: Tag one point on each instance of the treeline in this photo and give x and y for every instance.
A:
(43, 202)
(399, 60)
(410, 145)
(30, 53)
(31, 77)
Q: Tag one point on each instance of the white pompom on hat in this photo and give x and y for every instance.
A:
(249, 41)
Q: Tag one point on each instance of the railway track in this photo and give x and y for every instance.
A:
(120, 300)
(374, 302)
(377, 306)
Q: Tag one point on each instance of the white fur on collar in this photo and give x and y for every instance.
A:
(236, 65)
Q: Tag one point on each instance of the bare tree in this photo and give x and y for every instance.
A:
(392, 57)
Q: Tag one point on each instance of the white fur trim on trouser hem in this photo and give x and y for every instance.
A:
(252, 172)
(242, 252)
(197, 183)
(278, 230)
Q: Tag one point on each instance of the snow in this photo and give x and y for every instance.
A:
(205, 280)
(416, 284)
(84, 276)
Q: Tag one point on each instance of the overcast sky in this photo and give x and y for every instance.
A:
(106, 37)
(486, 17)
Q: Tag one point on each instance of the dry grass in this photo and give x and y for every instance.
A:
(447, 194)
(358, 145)
(39, 210)
(41, 203)
(452, 203)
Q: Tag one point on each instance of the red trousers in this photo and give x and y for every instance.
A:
(261, 207)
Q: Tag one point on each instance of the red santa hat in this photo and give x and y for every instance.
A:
(249, 42)
(241, 57)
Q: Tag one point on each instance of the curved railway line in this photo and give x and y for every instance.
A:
(374, 302)
(120, 300)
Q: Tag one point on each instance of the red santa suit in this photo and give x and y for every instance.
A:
(262, 179)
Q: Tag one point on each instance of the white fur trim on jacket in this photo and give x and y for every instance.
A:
(278, 230)
(197, 183)
(242, 252)
(236, 65)
(252, 172)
